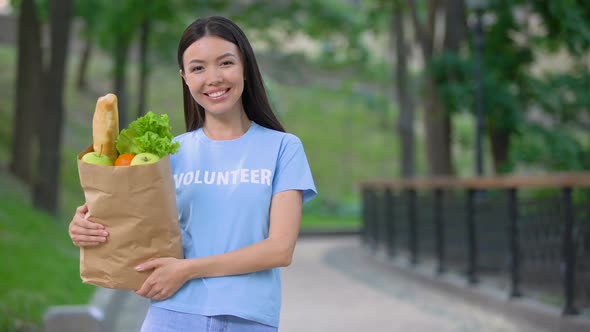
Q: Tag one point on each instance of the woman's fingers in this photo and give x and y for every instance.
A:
(152, 293)
(90, 232)
(146, 289)
(87, 241)
(84, 237)
(85, 233)
(88, 238)
(84, 223)
(82, 209)
(87, 228)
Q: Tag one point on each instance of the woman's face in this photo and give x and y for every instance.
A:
(214, 74)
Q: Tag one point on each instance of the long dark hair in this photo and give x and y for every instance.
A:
(254, 98)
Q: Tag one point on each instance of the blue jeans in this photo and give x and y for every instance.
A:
(163, 320)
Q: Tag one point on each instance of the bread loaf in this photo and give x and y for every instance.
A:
(105, 126)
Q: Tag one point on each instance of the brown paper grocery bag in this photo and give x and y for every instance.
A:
(137, 205)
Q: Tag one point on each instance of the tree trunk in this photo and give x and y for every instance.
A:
(28, 88)
(81, 81)
(143, 66)
(455, 34)
(500, 142)
(46, 191)
(437, 125)
(405, 123)
(455, 25)
(436, 120)
(120, 54)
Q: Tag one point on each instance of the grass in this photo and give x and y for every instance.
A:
(39, 266)
(312, 222)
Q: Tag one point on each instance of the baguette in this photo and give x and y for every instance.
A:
(105, 126)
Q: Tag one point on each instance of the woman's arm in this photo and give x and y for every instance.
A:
(274, 251)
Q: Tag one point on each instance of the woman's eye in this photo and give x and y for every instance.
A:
(227, 63)
(197, 68)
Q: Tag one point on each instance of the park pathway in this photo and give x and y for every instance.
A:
(334, 284)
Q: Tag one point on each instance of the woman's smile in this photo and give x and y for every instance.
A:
(217, 94)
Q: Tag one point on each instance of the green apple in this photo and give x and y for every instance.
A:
(144, 159)
(97, 158)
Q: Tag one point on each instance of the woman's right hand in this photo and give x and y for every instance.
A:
(85, 233)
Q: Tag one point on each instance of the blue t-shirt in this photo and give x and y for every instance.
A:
(223, 192)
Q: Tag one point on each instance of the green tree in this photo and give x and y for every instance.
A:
(120, 22)
(154, 13)
(437, 121)
(391, 18)
(40, 86)
(506, 66)
(405, 97)
(545, 114)
(116, 26)
(89, 13)
(46, 189)
(28, 86)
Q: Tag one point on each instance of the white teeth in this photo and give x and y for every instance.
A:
(217, 94)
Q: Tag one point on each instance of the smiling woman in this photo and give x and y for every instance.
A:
(241, 182)
(214, 74)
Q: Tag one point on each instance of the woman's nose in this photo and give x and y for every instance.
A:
(215, 76)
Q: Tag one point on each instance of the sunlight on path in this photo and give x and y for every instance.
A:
(332, 286)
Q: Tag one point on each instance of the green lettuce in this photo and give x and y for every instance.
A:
(149, 133)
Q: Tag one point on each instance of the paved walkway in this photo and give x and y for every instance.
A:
(335, 285)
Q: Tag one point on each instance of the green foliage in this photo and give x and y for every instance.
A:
(453, 76)
(558, 139)
(315, 17)
(119, 22)
(456, 87)
(506, 70)
(510, 90)
(377, 13)
(566, 21)
(42, 8)
(89, 11)
(354, 142)
(313, 222)
(569, 98)
(115, 23)
(42, 268)
(335, 24)
(555, 149)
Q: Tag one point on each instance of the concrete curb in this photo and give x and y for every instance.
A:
(543, 317)
(98, 316)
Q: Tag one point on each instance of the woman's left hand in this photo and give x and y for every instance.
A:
(168, 276)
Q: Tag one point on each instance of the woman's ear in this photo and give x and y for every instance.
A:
(181, 73)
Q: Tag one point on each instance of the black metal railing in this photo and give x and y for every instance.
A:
(530, 233)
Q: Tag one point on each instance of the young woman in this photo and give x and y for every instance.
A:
(240, 185)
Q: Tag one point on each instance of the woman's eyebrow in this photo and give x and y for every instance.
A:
(218, 58)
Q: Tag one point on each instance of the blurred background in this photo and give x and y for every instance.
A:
(374, 88)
